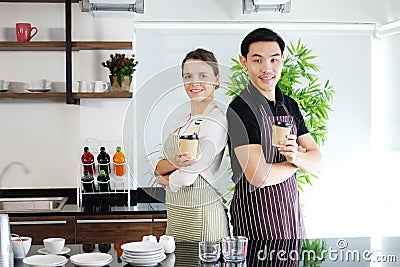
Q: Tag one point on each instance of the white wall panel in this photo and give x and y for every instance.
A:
(344, 59)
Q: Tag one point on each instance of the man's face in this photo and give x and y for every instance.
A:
(264, 64)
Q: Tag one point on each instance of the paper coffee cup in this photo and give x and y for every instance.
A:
(279, 132)
(189, 143)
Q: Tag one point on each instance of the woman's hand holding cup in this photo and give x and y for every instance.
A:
(182, 159)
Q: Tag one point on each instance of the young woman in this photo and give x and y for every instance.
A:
(194, 208)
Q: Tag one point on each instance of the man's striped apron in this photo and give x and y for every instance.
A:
(272, 212)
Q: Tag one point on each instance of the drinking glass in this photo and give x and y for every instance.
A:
(234, 248)
(209, 251)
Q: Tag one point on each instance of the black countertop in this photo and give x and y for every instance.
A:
(74, 210)
(140, 195)
(363, 251)
(143, 201)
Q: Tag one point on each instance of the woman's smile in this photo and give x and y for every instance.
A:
(196, 91)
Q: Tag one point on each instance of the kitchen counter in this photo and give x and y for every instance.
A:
(73, 210)
(143, 202)
(364, 251)
(87, 224)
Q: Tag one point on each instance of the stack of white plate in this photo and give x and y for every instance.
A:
(143, 254)
(91, 259)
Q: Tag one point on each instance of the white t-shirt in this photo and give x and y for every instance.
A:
(212, 134)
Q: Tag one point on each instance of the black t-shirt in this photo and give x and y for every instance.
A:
(245, 122)
(244, 119)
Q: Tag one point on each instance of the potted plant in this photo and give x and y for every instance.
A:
(121, 70)
(300, 81)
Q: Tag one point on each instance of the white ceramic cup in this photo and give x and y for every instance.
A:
(149, 238)
(21, 245)
(17, 87)
(3, 84)
(58, 86)
(54, 244)
(100, 86)
(170, 261)
(84, 87)
(168, 243)
(40, 84)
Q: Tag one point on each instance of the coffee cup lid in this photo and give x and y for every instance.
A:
(283, 124)
(193, 136)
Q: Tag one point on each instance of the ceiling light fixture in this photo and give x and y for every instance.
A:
(255, 6)
(112, 6)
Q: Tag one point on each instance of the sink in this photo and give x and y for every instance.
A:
(43, 204)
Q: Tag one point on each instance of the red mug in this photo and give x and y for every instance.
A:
(24, 32)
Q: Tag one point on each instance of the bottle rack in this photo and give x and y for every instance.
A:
(120, 192)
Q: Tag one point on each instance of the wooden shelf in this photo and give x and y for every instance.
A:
(102, 95)
(76, 46)
(37, 1)
(32, 46)
(33, 95)
(62, 95)
(60, 46)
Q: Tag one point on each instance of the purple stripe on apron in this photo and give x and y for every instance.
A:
(272, 212)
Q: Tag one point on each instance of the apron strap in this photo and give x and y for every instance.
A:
(195, 127)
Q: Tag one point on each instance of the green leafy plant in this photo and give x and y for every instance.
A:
(300, 81)
(120, 66)
(313, 252)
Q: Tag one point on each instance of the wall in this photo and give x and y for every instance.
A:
(393, 10)
(302, 11)
(346, 64)
(44, 136)
(87, 120)
(390, 92)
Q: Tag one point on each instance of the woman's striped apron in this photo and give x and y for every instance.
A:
(195, 213)
(272, 212)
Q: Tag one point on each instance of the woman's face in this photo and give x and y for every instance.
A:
(199, 80)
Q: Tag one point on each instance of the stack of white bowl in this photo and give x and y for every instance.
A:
(143, 253)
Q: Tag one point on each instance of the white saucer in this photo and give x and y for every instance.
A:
(142, 247)
(142, 255)
(91, 259)
(64, 250)
(45, 260)
(38, 90)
